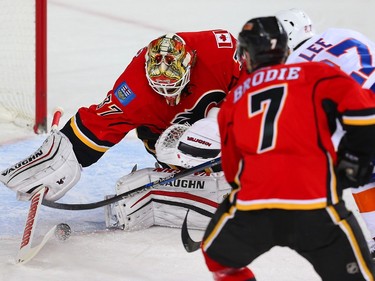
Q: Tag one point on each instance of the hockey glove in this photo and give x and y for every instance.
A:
(189, 146)
(353, 170)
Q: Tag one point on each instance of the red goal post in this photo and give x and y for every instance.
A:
(40, 66)
(23, 63)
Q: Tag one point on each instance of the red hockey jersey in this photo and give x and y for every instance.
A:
(132, 104)
(276, 138)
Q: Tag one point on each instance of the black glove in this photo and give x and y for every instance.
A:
(352, 170)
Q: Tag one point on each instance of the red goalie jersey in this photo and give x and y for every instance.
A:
(133, 104)
(276, 137)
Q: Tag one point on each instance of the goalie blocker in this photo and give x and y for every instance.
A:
(166, 205)
(53, 165)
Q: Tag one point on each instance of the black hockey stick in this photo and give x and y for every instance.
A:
(166, 180)
(189, 244)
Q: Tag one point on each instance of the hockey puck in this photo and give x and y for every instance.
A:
(62, 231)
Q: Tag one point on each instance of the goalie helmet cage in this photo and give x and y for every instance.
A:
(23, 63)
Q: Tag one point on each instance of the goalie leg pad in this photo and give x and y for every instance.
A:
(166, 205)
(53, 165)
(124, 217)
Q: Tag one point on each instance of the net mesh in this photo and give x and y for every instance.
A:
(170, 137)
(17, 62)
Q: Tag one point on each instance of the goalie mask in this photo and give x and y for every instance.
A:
(168, 63)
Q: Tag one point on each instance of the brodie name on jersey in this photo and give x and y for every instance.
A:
(266, 75)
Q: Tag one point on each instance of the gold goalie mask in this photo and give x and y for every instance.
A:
(168, 63)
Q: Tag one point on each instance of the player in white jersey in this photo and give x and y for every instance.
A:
(349, 50)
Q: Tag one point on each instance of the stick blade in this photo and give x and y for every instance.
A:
(189, 244)
(26, 254)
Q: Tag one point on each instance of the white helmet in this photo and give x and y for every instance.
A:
(297, 24)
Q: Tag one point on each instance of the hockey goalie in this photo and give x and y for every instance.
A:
(177, 78)
(180, 146)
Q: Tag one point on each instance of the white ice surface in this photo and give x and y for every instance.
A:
(89, 44)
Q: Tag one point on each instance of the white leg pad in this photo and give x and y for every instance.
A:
(166, 205)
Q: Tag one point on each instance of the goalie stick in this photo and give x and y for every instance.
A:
(137, 190)
(26, 252)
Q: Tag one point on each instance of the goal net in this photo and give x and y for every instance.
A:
(23, 63)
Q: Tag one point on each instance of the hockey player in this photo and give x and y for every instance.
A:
(353, 53)
(286, 176)
(177, 79)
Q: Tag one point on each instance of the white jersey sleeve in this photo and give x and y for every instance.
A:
(351, 51)
(354, 53)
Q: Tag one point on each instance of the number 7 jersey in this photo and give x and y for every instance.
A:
(276, 136)
(351, 51)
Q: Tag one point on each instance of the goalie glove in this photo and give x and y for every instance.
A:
(53, 165)
(188, 146)
(166, 145)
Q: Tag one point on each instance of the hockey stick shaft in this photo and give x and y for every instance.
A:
(29, 230)
(166, 180)
(26, 252)
(58, 112)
